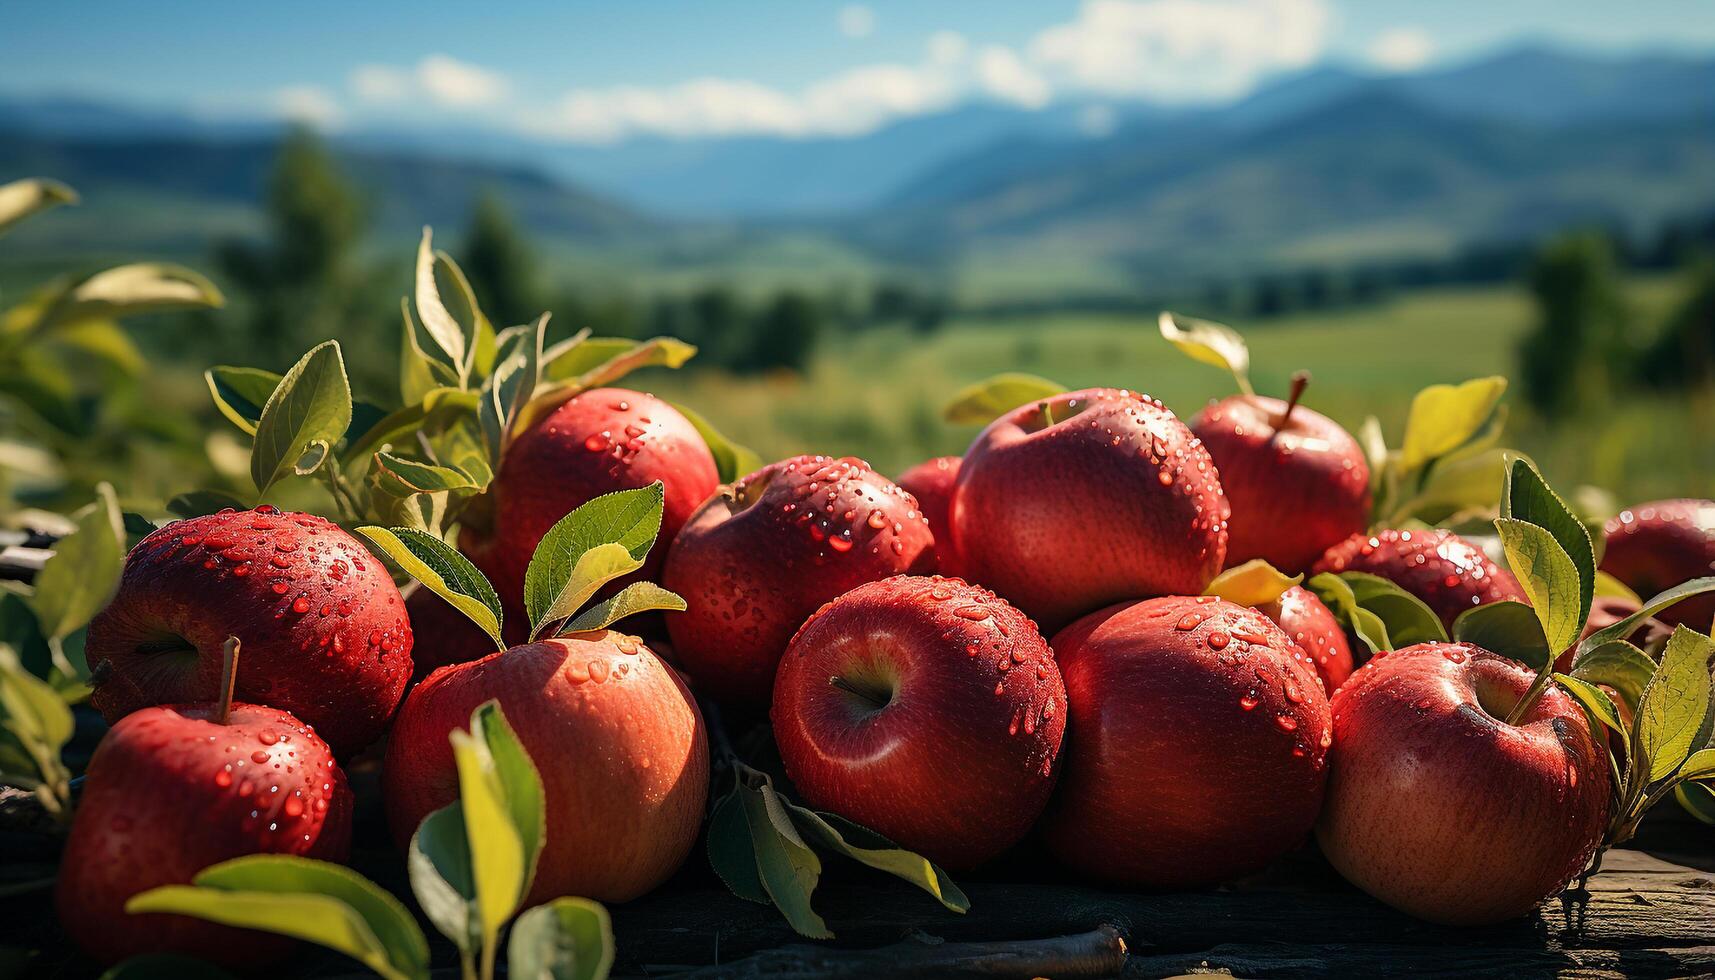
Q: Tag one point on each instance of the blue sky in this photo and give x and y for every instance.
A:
(602, 72)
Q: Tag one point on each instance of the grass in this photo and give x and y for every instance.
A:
(878, 394)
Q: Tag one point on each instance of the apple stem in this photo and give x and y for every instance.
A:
(1300, 381)
(1047, 412)
(850, 688)
(228, 677)
(1531, 694)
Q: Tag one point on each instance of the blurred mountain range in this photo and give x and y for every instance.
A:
(1314, 168)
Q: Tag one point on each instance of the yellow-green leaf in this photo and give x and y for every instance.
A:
(312, 403)
(1254, 583)
(443, 571)
(990, 398)
(1547, 574)
(633, 599)
(1211, 343)
(1672, 711)
(1445, 417)
(32, 195)
(566, 939)
(84, 571)
(442, 328)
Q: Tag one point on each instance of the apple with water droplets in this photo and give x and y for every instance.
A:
(927, 710)
(1196, 747)
(931, 482)
(1296, 481)
(1441, 804)
(615, 735)
(173, 789)
(763, 554)
(1447, 572)
(1088, 498)
(597, 442)
(1315, 630)
(1655, 546)
(324, 629)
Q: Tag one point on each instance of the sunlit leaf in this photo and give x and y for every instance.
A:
(311, 404)
(443, 571)
(1211, 343)
(1619, 665)
(1527, 497)
(989, 399)
(629, 518)
(1445, 417)
(441, 326)
(553, 392)
(787, 867)
(1672, 712)
(1254, 583)
(635, 598)
(84, 571)
(859, 843)
(732, 460)
(1547, 575)
(500, 794)
(438, 863)
(32, 195)
(1597, 705)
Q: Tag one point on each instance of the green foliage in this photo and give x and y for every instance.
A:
(35, 725)
(307, 413)
(445, 572)
(1379, 613)
(989, 399)
(81, 576)
(764, 848)
(1211, 343)
(566, 939)
(501, 267)
(599, 541)
(1254, 583)
(1565, 363)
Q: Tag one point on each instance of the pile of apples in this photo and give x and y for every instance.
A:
(1019, 640)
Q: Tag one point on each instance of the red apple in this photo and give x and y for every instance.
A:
(1197, 743)
(758, 558)
(931, 483)
(172, 790)
(927, 710)
(1314, 630)
(1088, 498)
(1655, 546)
(446, 636)
(324, 629)
(618, 741)
(1447, 572)
(599, 441)
(1296, 481)
(1440, 808)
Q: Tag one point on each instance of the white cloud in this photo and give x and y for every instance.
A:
(437, 79)
(856, 21)
(1182, 50)
(1402, 49)
(1004, 75)
(948, 47)
(307, 104)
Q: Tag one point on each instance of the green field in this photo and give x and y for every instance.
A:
(878, 394)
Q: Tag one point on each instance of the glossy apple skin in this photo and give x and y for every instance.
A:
(1655, 546)
(1447, 572)
(1116, 502)
(958, 763)
(601, 440)
(169, 792)
(615, 735)
(1294, 490)
(1313, 628)
(324, 630)
(1440, 809)
(758, 558)
(1196, 748)
(931, 483)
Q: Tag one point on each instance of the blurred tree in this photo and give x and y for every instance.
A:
(1685, 352)
(785, 334)
(719, 327)
(299, 283)
(500, 266)
(1566, 360)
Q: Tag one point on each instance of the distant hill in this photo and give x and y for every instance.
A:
(181, 191)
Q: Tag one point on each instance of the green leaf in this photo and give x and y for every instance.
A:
(32, 195)
(479, 342)
(443, 571)
(505, 816)
(126, 290)
(198, 503)
(1336, 593)
(314, 901)
(311, 404)
(442, 328)
(404, 477)
(84, 572)
(1528, 498)
(655, 352)
(1405, 616)
(1445, 417)
(576, 356)
(633, 599)
(38, 721)
(1255, 583)
(1698, 799)
(859, 843)
(1609, 587)
(1546, 572)
(440, 871)
(1215, 344)
(1620, 665)
(566, 939)
(439, 405)
(1597, 705)
(1508, 628)
(1700, 766)
(240, 393)
(732, 853)
(1455, 489)
(593, 569)
(787, 866)
(989, 399)
(629, 518)
(732, 460)
(1671, 715)
(1625, 627)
